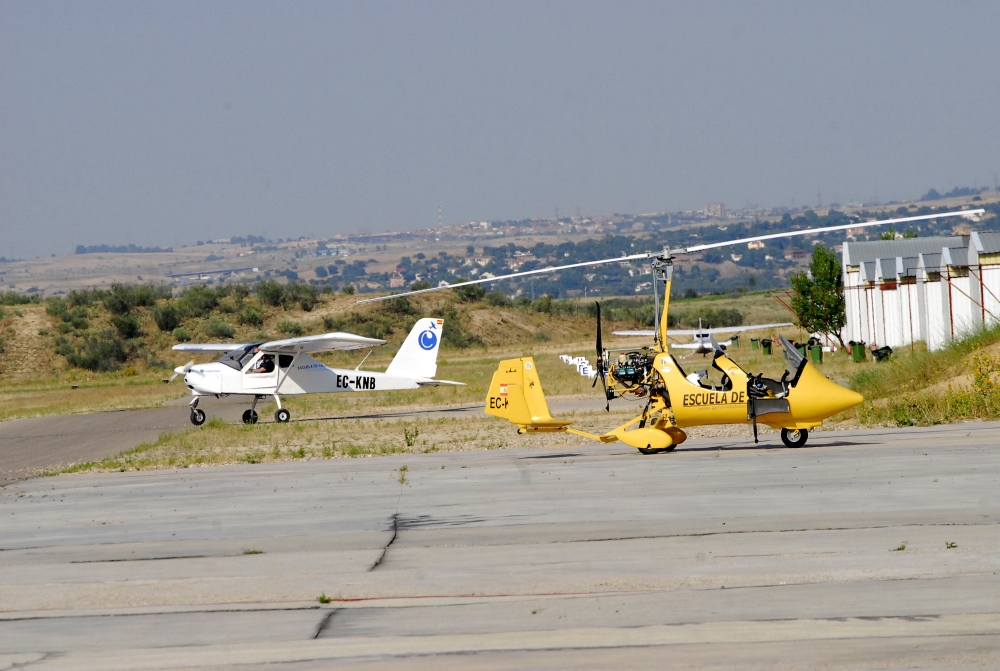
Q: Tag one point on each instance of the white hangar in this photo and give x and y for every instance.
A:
(931, 289)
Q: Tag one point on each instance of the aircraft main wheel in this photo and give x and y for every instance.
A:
(794, 437)
(250, 417)
(282, 416)
(197, 416)
(648, 450)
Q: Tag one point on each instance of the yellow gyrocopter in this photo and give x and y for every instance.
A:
(796, 403)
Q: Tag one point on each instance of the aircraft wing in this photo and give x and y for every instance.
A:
(320, 343)
(649, 334)
(686, 345)
(208, 347)
(749, 327)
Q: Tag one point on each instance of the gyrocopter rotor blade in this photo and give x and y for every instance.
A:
(600, 362)
(668, 253)
(181, 370)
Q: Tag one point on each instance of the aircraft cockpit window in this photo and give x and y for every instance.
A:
(239, 358)
(285, 360)
(794, 360)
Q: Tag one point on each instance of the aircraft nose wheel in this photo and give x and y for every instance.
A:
(282, 416)
(197, 416)
(794, 437)
(250, 417)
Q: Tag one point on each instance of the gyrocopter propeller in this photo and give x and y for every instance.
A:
(796, 403)
(602, 357)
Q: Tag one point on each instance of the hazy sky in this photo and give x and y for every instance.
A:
(164, 123)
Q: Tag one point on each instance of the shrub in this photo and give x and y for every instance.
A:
(199, 301)
(399, 306)
(239, 293)
(270, 293)
(14, 298)
(305, 295)
(420, 286)
(128, 326)
(321, 271)
(216, 328)
(167, 317)
(455, 334)
(87, 297)
(124, 297)
(372, 325)
(56, 307)
(290, 328)
(101, 352)
(471, 293)
(181, 334)
(251, 316)
(348, 289)
(498, 299)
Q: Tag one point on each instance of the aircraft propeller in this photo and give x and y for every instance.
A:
(180, 370)
(600, 362)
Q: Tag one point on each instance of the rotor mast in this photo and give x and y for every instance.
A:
(663, 271)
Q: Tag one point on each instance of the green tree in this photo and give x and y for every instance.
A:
(818, 298)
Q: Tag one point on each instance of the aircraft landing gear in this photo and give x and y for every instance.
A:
(650, 450)
(197, 415)
(281, 415)
(250, 416)
(794, 437)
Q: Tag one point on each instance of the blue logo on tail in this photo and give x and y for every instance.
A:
(427, 340)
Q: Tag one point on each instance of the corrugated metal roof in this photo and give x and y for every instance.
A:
(955, 256)
(986, 243)
(868, 271)
(906, 266)
(886, 269)
(930, 262)
(856, 253)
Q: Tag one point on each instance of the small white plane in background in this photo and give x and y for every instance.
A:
(704, 341)
(285, 367)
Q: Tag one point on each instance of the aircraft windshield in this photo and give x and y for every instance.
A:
(793, 357)
(239, 357)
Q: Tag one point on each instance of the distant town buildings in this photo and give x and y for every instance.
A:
(715, 211)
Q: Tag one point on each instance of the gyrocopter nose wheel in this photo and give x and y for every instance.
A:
(249, 416)
(197, 416)
(794, 437)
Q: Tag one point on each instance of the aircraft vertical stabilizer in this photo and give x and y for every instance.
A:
(417, 358)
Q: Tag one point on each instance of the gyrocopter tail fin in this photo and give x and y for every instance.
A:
(516, 395)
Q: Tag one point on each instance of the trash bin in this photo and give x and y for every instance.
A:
(735, 340)
(857, 351)
(766, 345)
(817, 353)
(754, 343)
(801, 348)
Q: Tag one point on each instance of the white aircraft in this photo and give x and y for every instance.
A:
(285, 367)
(704, 339)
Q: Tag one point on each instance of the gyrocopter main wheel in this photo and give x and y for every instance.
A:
(794, 437)
(197, 416)
(250, 416)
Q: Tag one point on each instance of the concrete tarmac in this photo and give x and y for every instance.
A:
(721, 555)
(33, 446)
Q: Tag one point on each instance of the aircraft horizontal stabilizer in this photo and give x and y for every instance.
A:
(440, 383)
